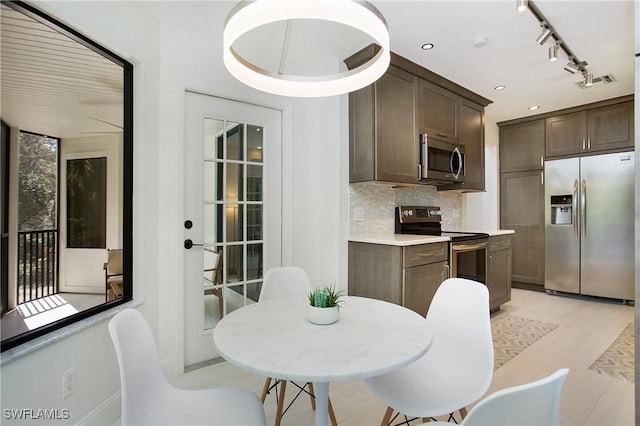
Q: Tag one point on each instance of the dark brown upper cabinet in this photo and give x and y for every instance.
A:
(522, 146)
(593, 130)
(439, 110)
(387, 118)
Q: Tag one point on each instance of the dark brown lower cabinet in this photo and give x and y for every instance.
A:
(499, 271)
(522, 210)
(408, 276)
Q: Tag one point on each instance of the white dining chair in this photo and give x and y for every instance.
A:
(458, 368)
(531, 404)
(149, 399)
(288, 282)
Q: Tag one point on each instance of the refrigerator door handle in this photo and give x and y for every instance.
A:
(583, 208)
(574, 210)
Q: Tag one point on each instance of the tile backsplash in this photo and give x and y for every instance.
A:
(372, 205)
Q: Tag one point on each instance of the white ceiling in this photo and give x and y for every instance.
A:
(599, 32)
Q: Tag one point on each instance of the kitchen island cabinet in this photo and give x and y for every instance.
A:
(404, 275)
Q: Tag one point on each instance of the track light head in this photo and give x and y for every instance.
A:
(588, 79)
(544, 36)
(571, 67)
(553, 53)
(522, 5)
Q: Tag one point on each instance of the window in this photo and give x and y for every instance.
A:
(62, 86)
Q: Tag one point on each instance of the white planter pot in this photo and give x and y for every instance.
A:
(323, 316)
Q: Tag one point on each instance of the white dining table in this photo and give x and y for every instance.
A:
(274, 339)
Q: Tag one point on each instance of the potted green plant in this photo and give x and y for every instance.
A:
(324, 305)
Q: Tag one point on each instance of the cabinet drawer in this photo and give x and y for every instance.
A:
(500, 242)
(425, 253)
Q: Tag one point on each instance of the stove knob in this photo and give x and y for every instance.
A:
(405, 213)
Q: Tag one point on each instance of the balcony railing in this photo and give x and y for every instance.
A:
(37, 264)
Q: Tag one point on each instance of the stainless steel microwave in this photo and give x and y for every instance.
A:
(441, 161)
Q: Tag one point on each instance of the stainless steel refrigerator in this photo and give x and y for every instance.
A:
(589, 225)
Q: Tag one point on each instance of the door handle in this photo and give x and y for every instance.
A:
(583, 209)
(188, 244)
(574, 212)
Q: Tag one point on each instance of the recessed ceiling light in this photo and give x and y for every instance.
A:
(534, 107)
(499, 87)
(427, 46)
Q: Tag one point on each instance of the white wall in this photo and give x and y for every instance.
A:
(35, 380)
(174, 46)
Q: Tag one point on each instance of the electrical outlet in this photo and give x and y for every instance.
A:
(68, 383)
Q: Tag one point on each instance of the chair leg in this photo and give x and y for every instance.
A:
(463, 413)
(265, 389)
(332, 415)
(387, 417)
(312, 395)
(283, 387)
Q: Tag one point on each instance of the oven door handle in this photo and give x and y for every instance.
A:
(467, 247)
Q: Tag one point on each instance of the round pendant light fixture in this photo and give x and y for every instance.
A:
(360, 15)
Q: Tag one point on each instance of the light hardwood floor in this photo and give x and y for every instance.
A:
(586, 329)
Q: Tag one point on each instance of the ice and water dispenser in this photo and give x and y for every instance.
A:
(561, 209)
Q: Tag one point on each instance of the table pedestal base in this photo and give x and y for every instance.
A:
(321, 390)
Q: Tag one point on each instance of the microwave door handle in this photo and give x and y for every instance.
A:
(456, 152)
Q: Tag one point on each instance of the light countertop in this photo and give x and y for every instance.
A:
(411, 240)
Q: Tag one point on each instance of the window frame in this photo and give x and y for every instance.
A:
(127, 177)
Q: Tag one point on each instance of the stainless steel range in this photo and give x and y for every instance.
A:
(467, 250)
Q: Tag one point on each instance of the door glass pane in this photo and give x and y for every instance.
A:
(235, 141)
(254, 222)
(234, 264)
(254, 183)
(235, 182)
(212, 144)
(212, 184)
(234, 228)
(254, 261)
(254, 143)
(87, 203)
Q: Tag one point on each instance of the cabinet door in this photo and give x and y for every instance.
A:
(566, 134)
(375, 271)
(472, 136)
(610, 127)
(396, 136)
(499, 278)
(522, 146)
(438, 111)
(420, 285)
(361, 134)
(522, 209)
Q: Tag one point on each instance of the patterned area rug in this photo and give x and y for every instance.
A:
(618, 360)
(512, 335)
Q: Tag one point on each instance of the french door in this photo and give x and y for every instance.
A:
(232, 211)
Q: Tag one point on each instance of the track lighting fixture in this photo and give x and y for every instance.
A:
(571, 67)
(544, 36)
(574, 65)
(553, 53)
(521, 6)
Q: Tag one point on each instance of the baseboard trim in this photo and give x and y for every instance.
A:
(107, 413)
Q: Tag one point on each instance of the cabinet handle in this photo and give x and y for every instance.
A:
(447, 271)
(588, 143)
(584, 144)
(419, 171)
(541, 161)
(542, 178)
(491, 262)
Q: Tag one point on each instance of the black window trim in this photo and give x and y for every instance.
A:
(127, 177)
